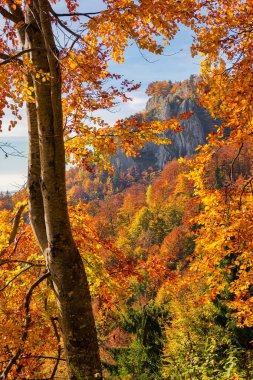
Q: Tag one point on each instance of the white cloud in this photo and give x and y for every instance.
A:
(11, 182)
(138, 103)
(124, 110)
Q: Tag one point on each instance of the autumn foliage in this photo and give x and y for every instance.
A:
(168, 254)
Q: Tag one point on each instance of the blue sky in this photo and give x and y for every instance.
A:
(177, 64)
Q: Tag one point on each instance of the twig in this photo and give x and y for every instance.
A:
(59, 350)
(9, 58)
(57, 362)
(87, 14)
(16, 244)
(3, 262)
(74, 42)
(249, 182)
(56, 333)
(62, 23)
(14, 278)
(233, 162)
(5, 146)
(16, 222)
(36, 357)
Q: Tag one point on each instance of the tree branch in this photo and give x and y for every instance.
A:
(30, 291)
(6, 148)
(3, 262)
(59, 350)
(88, 15)
(16, 244)
(77, 14)
(16, 10)
(62, 24)
(16, 222)
(10, 16)
(15, 247)
(233, 162)
(4, 56)
(36, 357)
(8, 58)
(14, 278)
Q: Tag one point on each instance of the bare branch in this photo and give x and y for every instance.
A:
(16, 244)
(77, 14)
(10, 364)
(233, 162)
(14, 278)
(9, 149)
(5, 56)
(16, 222)
(57, 362)
(15, 247)
(3, 262)
(59, 350)
(63, 24)
(9, 58)
(10, 16)
(29, 293)
(36, 357)
(42, 357)
(74, 42)
(56, 333)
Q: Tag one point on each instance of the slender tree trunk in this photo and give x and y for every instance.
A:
(36, 207)
(47, 198)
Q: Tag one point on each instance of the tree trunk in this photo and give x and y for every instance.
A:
(47, 198)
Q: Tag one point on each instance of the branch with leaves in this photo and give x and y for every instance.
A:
(28, 320)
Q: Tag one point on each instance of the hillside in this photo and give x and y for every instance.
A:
(171, 323)
(164, 304)
(125, 268)
(169, 326)
(166, 100)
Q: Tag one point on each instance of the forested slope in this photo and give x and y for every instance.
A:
(179, 318)
(163, 291)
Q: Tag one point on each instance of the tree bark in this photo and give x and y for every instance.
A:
(47, 197)
(35, 200)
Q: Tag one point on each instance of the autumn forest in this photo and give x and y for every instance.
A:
(128, 254)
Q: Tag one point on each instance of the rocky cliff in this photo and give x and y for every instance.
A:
(167, 100)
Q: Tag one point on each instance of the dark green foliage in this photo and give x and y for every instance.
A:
(142, 360)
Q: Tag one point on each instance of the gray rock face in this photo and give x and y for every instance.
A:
(164, 107)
